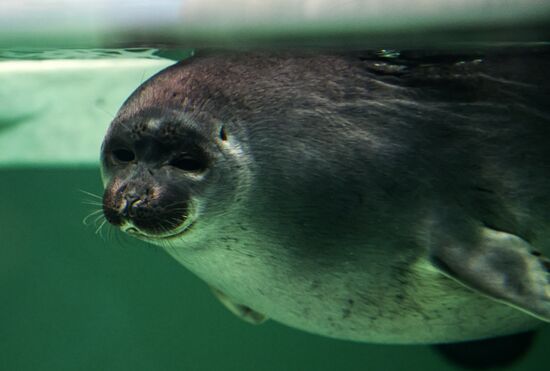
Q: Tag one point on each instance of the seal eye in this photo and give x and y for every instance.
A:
(188, 163)
(123, 155)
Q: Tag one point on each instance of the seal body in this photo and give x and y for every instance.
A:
(346, 194)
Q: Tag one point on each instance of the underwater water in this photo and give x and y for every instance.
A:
(72, 300)
(75, 299)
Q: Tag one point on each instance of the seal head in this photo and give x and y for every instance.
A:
(158, 167)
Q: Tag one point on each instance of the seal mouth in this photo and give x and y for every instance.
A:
(177, 234)
(167, 236)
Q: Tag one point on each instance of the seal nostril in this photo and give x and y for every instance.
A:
(133, 207)
(130, 203)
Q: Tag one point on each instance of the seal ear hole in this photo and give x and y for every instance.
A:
(223, 134)
(123, 155)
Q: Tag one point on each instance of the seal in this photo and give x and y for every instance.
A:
(383, 199)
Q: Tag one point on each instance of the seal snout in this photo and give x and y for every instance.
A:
(149, 209)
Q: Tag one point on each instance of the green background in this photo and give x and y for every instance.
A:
(72, 300)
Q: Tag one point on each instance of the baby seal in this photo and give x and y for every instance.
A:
(392, 200)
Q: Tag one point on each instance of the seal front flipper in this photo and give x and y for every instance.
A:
(242, 311)
(498, 264)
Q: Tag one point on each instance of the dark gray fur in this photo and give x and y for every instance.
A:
(367, 171)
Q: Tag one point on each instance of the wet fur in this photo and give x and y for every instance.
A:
(340, 165)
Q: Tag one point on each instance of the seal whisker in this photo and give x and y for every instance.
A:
(98, 218)
(109, 231)
(91, 194)
(98, 230)
(109, 114)
(93, 203)
(121, 238)
(174, 223)
(175, 203)
(171, 247)
(87, 217)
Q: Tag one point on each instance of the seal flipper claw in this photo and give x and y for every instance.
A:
(242, 311)
(500, 265)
